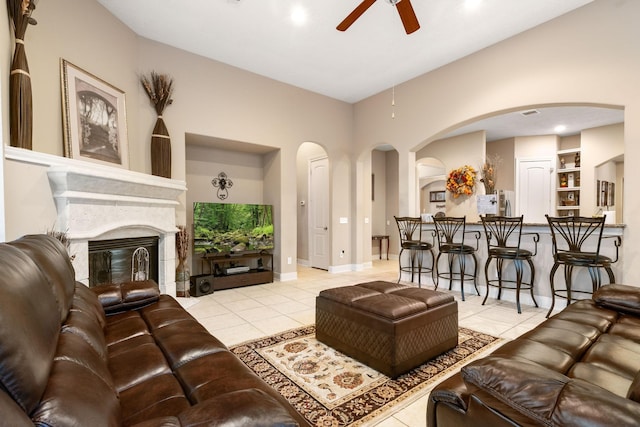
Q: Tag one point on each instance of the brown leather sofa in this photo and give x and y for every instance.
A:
(579, 368)
(113, 355)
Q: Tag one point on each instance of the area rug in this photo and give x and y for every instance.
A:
(331, 389)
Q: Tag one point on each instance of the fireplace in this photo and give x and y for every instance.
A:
(98, 203)
(121, 260)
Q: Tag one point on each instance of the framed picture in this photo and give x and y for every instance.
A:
(436, 196)
(94, 118)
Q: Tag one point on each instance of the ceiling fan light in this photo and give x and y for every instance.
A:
(393, 2)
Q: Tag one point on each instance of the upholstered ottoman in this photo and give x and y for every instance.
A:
(387, 326)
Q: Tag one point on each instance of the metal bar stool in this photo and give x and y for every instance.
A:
(504, 237)
(568, 235)
(451, 235)
(410, 228)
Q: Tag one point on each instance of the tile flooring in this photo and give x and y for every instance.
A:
(242, 314)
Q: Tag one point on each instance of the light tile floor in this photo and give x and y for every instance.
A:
(242, 314)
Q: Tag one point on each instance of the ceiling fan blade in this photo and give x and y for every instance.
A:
(357, 12)
(408, 16)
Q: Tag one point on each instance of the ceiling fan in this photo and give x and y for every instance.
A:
(407, 15)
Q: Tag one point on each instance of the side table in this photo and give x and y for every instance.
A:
(380, 238)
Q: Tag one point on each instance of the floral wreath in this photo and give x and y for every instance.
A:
(461, 181)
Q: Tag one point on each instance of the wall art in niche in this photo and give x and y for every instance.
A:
(94, 118)
(437, 196)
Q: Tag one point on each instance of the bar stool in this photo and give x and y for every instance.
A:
(504, 236)
(409, 227)
(451, 235)
(568, 235)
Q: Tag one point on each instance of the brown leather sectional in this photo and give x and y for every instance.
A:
(579, 368)
(113, 355)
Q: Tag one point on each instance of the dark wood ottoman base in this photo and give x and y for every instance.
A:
(387, 326)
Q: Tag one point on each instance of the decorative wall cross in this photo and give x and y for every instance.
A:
(222, 182)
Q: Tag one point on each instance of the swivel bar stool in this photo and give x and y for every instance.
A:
(569, 235)
(410, 230)
(504, 237)
(451, 235)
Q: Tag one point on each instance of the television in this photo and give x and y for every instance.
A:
(228, 228)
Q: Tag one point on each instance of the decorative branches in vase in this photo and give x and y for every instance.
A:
(489, 170)
(182, 272)
(159, 88)
(20, 104)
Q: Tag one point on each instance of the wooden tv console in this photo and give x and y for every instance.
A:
(256, 275)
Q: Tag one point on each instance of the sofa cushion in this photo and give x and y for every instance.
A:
(77, 396)
(51, 257)
(159, 396)
(250, 407)
(29, 328)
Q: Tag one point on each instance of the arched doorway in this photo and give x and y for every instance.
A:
(384, 199)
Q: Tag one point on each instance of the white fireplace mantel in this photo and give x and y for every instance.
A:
(97, 202)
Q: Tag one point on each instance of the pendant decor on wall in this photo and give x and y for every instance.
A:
(21, 108)
(159, 88)
(222, 182)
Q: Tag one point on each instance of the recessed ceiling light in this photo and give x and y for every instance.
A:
(560, 128)
(299, 15)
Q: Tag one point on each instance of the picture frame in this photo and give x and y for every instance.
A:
(437, 196)
(94, 118)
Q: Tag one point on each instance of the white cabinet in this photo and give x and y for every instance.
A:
(568, 183)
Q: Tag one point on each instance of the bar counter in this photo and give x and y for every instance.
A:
(543, 262)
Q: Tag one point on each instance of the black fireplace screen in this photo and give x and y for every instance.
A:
(113, 261)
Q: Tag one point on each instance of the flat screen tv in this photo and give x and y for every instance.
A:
(232, 227)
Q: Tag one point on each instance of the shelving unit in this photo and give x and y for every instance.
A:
(260, 263)
(568, 183)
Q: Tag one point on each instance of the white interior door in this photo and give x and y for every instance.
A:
(319, 249)
(534, 192)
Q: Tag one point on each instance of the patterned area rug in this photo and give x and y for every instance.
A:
(331, 389)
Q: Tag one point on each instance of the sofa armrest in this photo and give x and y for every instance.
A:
(548, 397)
(118, 297)
(622, 298)
(247, 408)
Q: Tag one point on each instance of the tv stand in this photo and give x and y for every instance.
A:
(260, 271)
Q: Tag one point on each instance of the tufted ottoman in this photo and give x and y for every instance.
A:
(387, 326)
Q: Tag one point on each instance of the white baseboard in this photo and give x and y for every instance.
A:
(285, 277)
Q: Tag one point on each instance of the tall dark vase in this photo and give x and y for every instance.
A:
(21, 112)
(160, 150)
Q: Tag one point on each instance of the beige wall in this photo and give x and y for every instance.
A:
(504, 149)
